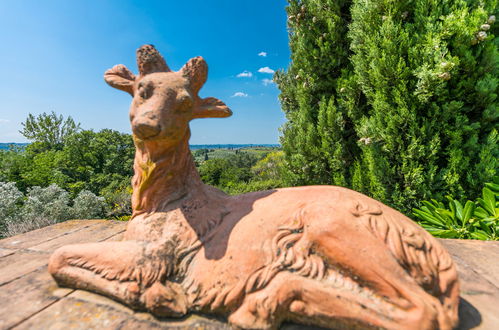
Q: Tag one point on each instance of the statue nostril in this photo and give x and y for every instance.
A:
(145, 131)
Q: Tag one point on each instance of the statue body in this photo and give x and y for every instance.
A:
(319, 255)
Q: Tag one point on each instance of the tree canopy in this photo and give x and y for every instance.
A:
(50, 130)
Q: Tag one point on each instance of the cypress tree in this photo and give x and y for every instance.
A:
(408, 110)
(315, 141)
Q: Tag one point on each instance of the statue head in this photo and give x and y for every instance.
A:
(165, 101)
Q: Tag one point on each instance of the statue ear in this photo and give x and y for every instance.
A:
(196, 71)
(121, 78)
(211, 107)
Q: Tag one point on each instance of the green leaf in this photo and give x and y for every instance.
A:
(485, 227)
(485, 206)
(429, 205)
(480, 213)
(452, 206)
(428, 217)
(490, 200)
(459, 209)
(480, 235)
(493, 186)
(469, 208)
(444, 233)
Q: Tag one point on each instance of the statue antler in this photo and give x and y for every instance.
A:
(149, 60)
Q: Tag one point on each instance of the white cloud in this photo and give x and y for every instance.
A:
(262, 54)
(240, 94)
(2, 121)
(267, 82)
(244, 74)
(266, 70)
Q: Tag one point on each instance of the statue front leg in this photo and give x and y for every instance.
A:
(132, 272)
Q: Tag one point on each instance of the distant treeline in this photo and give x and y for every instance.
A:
(7, 146)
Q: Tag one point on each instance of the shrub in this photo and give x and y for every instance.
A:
(88, 206)
(271, 167)
(43, 207)
(395, 99)
(118, 201)
(477, 220)
(251, 186)
(51, 202)
(10, 199)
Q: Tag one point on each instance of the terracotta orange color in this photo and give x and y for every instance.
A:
(319, 255)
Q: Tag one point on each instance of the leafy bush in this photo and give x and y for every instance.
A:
(225, 172)
(271, 167)
(118, 201)
(395, 99)
(43, 207)
(10, 199)
(251, 186)
(476, 220)
(51, 202)
(84, 160)
(88, 206)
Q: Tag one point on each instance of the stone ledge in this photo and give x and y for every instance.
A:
(31, 299)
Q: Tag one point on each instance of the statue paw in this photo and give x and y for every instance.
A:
(250, 318)
(166, 300)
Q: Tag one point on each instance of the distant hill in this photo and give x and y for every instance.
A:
(231, 146)
(6, 146)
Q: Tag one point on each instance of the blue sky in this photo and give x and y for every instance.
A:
(54, 53)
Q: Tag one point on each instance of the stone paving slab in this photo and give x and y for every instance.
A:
(30, 299)
(46, 234)
(478, 270)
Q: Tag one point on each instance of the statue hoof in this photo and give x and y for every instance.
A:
(166, 300)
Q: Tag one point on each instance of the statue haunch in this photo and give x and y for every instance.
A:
(319, 255)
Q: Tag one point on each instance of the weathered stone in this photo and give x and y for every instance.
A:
(29, 294)
(75, 314)
(100, 231)
(478, 268)
(45, 234)
(6, 252)
(20, 263)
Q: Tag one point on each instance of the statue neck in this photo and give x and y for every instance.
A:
(163, 176)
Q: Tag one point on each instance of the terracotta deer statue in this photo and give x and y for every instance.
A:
(317, 255)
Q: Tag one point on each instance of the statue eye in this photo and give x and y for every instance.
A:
(145, 90)
(184, 102)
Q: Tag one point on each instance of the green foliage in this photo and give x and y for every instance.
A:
(476, 219)
(244, 171)
(397, 100)
(118, 200)
(271, 167)
(224, 172)
(49, 130)
(96, 160)
(10, 200)
(42, 207)
(100, 163)
(236, 188)
(88, 206)
(51, 202)
(318, 139)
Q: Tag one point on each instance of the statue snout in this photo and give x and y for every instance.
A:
(145, 130)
